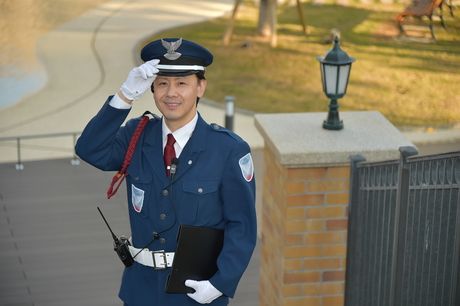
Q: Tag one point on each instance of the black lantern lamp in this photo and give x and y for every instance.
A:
(335, 71)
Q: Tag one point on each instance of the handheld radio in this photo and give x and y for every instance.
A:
(120, 245)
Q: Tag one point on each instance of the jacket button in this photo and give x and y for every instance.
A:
(200, 190)
(165, 192)
(162, 240)
(162, 216)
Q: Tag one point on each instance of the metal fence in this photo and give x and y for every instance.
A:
(20, 139)
(404, 231)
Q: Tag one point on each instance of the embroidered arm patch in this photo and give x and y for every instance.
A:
(247, 167)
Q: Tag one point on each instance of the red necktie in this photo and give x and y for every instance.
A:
(169, 153)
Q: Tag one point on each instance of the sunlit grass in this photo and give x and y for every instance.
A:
(411, 83)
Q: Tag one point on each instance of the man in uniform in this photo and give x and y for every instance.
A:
(212, 184)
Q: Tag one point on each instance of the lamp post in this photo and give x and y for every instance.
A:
(335, 71)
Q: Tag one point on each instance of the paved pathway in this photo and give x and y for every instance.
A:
(56, 249)
(87, 59)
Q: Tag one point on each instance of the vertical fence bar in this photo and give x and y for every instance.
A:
(402, 195)
(19, 164)
(350, 273)
(446, 195)
(455, 297)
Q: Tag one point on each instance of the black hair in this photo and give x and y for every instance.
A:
(200, 76)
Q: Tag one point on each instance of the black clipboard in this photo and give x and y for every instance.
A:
(195, 257)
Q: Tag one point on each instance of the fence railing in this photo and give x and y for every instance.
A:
(404, 231)
(19, 139)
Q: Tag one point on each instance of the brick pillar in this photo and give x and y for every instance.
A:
(305, 202)
(304, 234)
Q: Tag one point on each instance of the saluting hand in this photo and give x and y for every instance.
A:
(204, 293)
(139, 80)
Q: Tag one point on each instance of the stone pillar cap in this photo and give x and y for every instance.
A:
(298, 139)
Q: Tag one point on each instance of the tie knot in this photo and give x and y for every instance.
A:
(170, 141)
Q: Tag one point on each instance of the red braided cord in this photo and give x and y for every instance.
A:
(132, 143)
(121, 174)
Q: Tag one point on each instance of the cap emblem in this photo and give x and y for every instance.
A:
(171, 47)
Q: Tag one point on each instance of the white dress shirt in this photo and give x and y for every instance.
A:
(181, 135)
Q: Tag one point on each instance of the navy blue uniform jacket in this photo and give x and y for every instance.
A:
(209, 189)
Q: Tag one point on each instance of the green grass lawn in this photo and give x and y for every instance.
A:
(411, 83)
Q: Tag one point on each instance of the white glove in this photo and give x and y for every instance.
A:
(140, 79)
(204, 293)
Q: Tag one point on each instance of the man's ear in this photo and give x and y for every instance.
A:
(201, 88)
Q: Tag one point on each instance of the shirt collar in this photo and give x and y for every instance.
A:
(182, 135)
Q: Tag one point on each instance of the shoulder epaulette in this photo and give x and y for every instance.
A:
(218, 128)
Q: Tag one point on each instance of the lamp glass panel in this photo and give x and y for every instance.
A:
(343, 78)
(322, 75)
(330, 72)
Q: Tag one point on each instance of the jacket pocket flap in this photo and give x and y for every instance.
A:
(136, 176)
(201, 187)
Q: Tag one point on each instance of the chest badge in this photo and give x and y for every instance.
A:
(247, 167)
(137, 198)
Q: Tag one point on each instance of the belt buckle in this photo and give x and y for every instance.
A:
(161, 257)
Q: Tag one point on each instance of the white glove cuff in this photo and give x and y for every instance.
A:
(129, 94)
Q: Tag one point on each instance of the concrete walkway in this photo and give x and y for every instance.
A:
(87, 59)
(56, 250)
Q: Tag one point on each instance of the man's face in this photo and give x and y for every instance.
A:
(175, 97)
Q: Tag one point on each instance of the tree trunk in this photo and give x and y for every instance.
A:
(263, 27)
(268, 20)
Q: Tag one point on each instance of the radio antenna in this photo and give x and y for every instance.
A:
(113, 235)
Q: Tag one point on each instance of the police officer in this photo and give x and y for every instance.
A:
(212, 185)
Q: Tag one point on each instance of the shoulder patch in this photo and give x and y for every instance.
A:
(247, 167)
